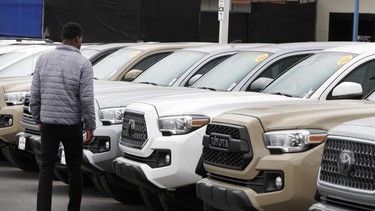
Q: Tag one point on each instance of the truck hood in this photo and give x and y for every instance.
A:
(15, 84)
(211, 103)
(124, 96)
(358, 129)
(308, 114)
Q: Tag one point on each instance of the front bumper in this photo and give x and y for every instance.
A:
(102, 161)
(32, 143)
(325, 207)
(13, 114)
(185, 151)
(299, 185)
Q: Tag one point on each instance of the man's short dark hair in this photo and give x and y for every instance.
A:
(71, 30)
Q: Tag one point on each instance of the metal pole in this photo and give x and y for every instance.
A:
(355, 21)
(223, 17)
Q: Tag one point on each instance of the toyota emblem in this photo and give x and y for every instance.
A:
(131, 127)
(345, 162)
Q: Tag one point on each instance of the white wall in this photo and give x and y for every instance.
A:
(324, 7)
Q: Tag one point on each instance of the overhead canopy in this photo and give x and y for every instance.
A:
(21, 18)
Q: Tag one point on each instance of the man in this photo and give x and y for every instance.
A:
(61, 96)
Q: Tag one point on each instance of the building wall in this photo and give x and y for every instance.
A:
(324, 7)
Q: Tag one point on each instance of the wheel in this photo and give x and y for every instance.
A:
(97, 184)
(207, 207)
(181, 200)
(2, 156)
(21, 159)
(151, 199)
(121, 190)
(63, 176)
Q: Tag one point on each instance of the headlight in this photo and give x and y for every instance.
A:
(293, 140)
(111, 116)
(15, 98)
(177, 125)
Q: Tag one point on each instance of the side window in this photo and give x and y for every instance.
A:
(149, 61)
(279, 67)
(208, 66)
(364, 75)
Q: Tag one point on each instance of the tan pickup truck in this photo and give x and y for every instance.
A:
(268, 157)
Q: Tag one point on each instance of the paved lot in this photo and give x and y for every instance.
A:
(18, 191)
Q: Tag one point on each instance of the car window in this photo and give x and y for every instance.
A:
(23, 67)
(279, 67)
(303, 79)
(147, 62)
(106, 68)
(364, 75)
(208, 66)
(226, 75)
(169, 69)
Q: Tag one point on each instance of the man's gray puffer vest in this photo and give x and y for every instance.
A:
(62, 88)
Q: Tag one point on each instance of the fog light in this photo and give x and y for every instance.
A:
(10, 121)
(168, 159)
(278, 182)
(107, 145)
(163, 158)
(273, 181)
(7, 120)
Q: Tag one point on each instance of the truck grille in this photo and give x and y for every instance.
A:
(360, 176)
(227, 146)
(134, 130)
(27, 117)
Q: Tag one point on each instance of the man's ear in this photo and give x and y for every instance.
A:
(76, 39)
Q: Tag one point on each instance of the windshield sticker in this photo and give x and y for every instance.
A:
(261, 57)
(345, 59)
(135, 53)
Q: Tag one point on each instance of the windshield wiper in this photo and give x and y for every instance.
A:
(205, 87)
(282, 94)
(147, 82)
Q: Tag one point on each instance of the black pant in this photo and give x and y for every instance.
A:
(72, 139)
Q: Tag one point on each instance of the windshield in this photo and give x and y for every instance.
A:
(88, 53)
(226, 75)
(306, 77)
(110, 65)
(168, 70)
(23, 67)
(7, 57)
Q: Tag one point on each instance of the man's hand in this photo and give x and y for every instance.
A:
(89, 137)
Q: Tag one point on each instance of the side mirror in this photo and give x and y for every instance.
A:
(347, 90)
(193, 79)
(259, 84)
(132, 74)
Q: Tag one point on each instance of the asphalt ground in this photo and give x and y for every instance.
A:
(18, 191)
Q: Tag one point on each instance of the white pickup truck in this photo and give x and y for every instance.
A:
(346, 178)
(162, 137)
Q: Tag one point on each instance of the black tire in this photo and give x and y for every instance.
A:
(207, 207)
(181, 201)
(63, 176)
(151, 199)
(23, 160)
(2, 156)
(120, 190)
(97, 184)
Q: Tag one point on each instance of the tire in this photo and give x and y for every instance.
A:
(21, 159)
(151, 199)
(120, 190)
(207, 207)
(181, 201)
(97, 184)
(2, 156)
(63, 176)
